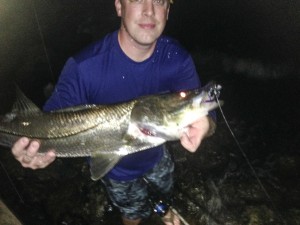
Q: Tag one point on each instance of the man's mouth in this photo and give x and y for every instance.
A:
(147, 26)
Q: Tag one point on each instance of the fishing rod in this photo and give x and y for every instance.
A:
(160, 205)
(215, 92)
(52, 73)
(12, 183)
(44, 45)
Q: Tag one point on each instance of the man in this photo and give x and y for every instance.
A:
(136, 60)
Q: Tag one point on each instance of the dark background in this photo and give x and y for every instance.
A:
(250, 47)
(265, 33)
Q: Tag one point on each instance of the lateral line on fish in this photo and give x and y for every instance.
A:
(21, 134)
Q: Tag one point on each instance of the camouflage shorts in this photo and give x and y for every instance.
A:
(131, 197)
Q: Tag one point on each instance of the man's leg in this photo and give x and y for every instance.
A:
(161, 177)
(131, 198)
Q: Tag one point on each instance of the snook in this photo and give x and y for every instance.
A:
(106, 133)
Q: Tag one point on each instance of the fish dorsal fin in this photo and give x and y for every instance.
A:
(24, 105)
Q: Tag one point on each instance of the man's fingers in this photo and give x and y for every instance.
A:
(26, 152)
(29, 154)
(49, 157)
(38, 161)
(19, 147)
(33, 148)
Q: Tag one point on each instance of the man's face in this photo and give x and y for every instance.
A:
(143, 21)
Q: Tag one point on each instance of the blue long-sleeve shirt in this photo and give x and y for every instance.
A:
(103, 74)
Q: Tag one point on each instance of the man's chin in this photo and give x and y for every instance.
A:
(147, 40)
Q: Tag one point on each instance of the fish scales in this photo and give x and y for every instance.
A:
(52, 125)
(71, 131)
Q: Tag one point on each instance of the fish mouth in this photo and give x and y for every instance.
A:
(147, 131)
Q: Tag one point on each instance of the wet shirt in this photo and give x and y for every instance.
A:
(103, 74)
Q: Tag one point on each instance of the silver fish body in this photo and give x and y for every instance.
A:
(106, 133)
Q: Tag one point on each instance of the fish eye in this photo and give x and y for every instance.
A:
(182, 94)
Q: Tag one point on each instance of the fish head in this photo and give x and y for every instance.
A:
(167, 116)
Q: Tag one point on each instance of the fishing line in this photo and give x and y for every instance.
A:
(248, 161)
(203, 210)
(51, 71)
(42, 38)
(52, 74)
(216, 97)
(44, 46)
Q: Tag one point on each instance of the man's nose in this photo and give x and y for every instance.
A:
(148, 8)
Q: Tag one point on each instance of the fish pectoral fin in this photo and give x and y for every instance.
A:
(100, 165)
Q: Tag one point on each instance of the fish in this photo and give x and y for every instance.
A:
(106, 133)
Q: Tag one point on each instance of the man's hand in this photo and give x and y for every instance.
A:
(171, 219)
(196, 132)
(26, 152)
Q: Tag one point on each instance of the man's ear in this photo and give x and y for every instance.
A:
(168, 13)
(118, 6)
